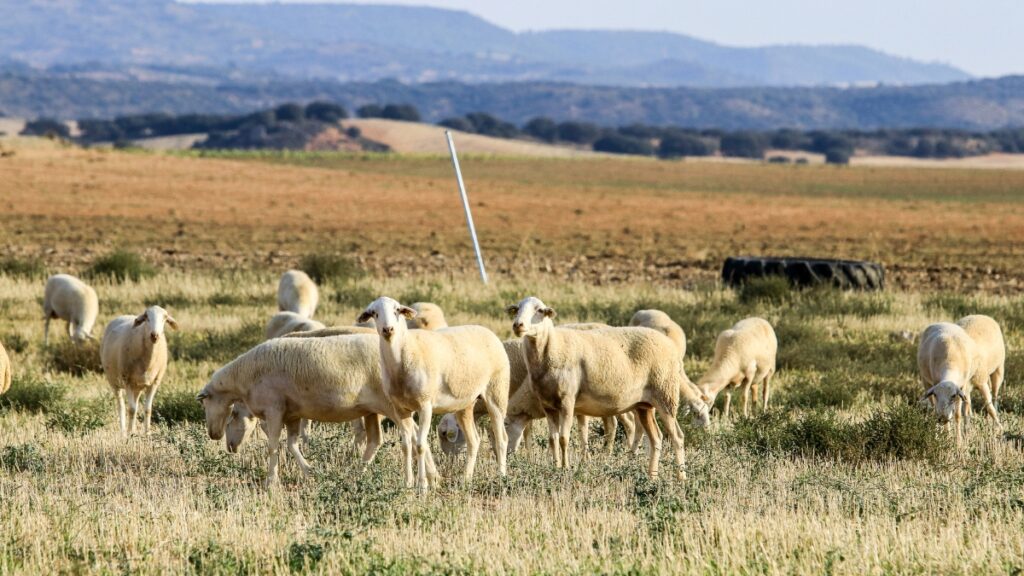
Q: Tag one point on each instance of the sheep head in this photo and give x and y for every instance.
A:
(529, 315)
(239, 427)
(946, 397)
(217, 408)
(156, 318)
(388, 315)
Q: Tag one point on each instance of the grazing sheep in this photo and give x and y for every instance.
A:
(286, 380)
(744, 357)
(288, 322)
(444, 371)
(603, 373)
(5, 370)
(134, 357)
(428, 317)
(992, 361)
(70, 299)
(296, 292)
(948, 362)
(663, 323)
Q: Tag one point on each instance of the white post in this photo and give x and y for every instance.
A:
(465, 205)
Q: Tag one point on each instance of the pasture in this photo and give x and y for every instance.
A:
(844, 476)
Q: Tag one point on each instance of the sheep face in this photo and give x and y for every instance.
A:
(217, 409)
(388, 314)
(514, 428)
(701, 412)
(946, 398)
(156, 318)
(452, 439)
(529, 315)
(240, 425)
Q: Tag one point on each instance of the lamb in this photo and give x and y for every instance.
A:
(603, 373)
(5, 370)
(287, 322)
(134, 357)
(429, 316)
(951, 363)
(296, 292)
(70, 299)
(446, 371)
(286, 380)
(744, 356)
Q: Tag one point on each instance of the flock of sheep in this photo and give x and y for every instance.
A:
(399, 361)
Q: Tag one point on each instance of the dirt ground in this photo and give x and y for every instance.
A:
(603, 219)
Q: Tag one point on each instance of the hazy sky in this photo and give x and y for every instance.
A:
(983, 37)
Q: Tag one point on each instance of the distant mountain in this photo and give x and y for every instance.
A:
(349, 42)
(974, 105)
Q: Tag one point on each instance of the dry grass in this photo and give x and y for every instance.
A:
(77, 499)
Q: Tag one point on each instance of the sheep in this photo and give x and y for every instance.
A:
(5, 370)
(285, 380)
(446, 371)
(332, 331)
(70, 299)
(602, 373)
(134, 358)
(953, 359)
(429, 316)
(991, 365)
(287, 322)
(744, 356)
(296, 292)
(661, 322)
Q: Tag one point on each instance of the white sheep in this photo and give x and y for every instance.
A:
(70, 299)
(5, 370)
(444, 371)
(744, 357)
(603, 373)
(663, 323)
(286, 380)
(134, 357)
(429, 316)
(287, 322)
(988, 337)
(296, 292)
(947, 360)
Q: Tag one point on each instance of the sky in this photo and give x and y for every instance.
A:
(982, 37)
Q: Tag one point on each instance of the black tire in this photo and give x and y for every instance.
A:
(807, 272)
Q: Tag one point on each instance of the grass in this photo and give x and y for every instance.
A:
(120, 266)
(847, 475)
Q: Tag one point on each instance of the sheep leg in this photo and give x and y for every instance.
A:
(996, 381)
(646, 417)
(46, 330)
(553, 442)
(767, 388)
(990, 408)
(517, 429)
(405, 430)
(565, 422)
(610, 426)
(121, 419)
(628, 421)
(133, 409)
(150, 393)
(499, 437)
(371, 425)
(747, 383)
(359, 434)
(426, 412)
(528, 434)
(294, 434)
(728, 402)
(272, 426)
(675, 439)
(465, 419)
(304, 429)
(584, 424)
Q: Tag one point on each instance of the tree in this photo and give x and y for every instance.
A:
(46, 127)
(837, 156)
(578, 132)
(328, 112)
(486, 124)
(677, 145)
(290, 112)
(542, 129)
(370, 111)
(403, 112)
(742, 145)
(458, 123)
(616, 143)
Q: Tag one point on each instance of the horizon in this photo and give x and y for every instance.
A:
(882, 25)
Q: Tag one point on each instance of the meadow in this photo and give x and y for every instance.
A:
(846, 475)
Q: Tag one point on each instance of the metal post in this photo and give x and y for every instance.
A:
(465, 205)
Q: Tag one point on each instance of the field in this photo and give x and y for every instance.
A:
(845, 476)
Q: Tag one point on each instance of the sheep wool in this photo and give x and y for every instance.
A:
(296, 292)
(68, 298)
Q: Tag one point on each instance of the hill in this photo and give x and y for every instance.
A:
(352, 42)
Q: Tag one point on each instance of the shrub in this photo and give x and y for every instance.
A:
(460, 124)
(218, 346)
(327, 268)
(369, 111)
(24, 268)
(46, 127)
(326, 112)
(490, 126)
(772, 289)
(839, 156)
(33, 396)
(619, 144)
(177, 407)
(120, 266)
(353, 132)
(76, 359)
(79, 417)
(21, 458)
(578, 132)
(742, 145)
(16, 343)
(542, 129)
(290, 112)
(678, 145)
(403, 112)
(778, 160)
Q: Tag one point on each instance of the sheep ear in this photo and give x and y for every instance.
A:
(548, 312)
(407, 312)
(139, 320)
(172, 322)
(202, 395)
(962, 396)
(512, 311)
(365, 316)
(929, 393)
